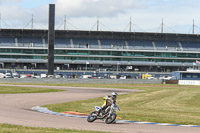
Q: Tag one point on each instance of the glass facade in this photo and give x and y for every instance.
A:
(142, 51)
(101, 55)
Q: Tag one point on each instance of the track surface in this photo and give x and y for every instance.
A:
(16, 109)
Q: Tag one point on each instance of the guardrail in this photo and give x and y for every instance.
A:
(80, 81)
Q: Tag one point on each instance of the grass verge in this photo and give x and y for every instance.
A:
(5, 128)
(158, 103)
(15, 90)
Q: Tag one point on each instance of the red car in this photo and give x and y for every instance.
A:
(94, 77)
(28, 76)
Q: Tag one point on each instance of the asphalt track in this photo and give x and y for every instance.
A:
(16, 109)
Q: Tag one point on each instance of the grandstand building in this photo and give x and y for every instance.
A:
(94, 50)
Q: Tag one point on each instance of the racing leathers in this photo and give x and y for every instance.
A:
(108, 101)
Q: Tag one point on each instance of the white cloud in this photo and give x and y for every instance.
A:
(10, 1)
(114, 14)
(12, 12)
(91, 8)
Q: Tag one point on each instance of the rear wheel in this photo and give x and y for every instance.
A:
(111, 119)
(92, 117)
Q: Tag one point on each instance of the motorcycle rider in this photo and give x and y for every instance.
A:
(108, 101)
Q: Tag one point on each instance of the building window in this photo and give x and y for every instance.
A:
(188, 76)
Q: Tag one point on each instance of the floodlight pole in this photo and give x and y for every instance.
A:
(51, 39)
(130, 25)
(0, 20)
(162, 26)
(193, 27)
(32, 22)
(65, 22)
(98, 23)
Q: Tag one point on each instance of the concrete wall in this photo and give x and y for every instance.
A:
(81, 81)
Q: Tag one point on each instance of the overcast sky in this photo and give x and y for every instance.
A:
(114, 15)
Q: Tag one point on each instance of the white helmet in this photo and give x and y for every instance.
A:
(114, 95)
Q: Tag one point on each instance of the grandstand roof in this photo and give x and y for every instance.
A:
(102, 35)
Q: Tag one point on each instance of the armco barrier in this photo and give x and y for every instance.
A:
(80, 81)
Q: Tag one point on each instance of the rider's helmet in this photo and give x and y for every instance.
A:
(114, 95)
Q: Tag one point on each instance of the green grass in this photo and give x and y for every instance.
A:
(157, 103)
(15, 90)
(5, 128)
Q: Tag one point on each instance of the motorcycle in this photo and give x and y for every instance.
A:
(109, 114)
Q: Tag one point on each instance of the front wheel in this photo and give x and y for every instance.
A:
(92, 117)
(111, 119)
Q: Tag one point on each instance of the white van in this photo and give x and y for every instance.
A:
(16, 75)
(2, 75)
(8, 75)
(86, 76)
(43, 75)
(122, 77)
(22, 75)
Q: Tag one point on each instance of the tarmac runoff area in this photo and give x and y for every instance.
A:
(16, 109)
